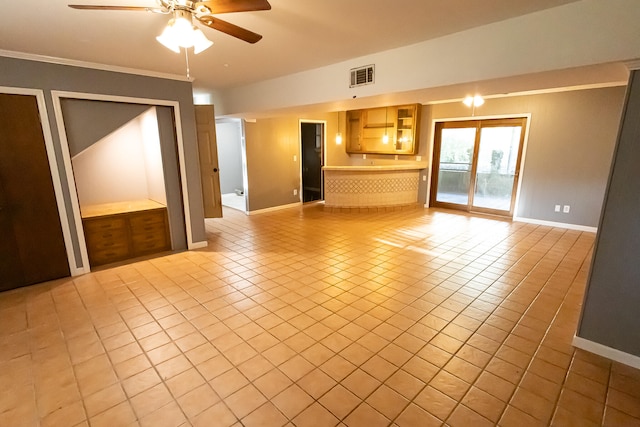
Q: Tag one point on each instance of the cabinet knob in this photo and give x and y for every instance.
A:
(215, 169)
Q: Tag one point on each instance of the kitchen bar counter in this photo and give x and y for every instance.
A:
(378, 186)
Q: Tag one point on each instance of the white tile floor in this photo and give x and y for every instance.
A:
(233, 201)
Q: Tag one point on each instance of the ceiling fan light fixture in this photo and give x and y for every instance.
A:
(167, 39)
(180, 32)
(200, 41)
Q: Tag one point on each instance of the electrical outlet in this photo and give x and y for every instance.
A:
(424, 178)
(396, 158)
(418, 158)
(364, 157)
(295, 191)
(566, 208)
(295, 158)
(557, 208)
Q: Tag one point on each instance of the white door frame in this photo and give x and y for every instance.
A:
(324, 154)
(53, 168)
(64, 144)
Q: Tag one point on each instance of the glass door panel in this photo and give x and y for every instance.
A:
(455, 164)
(496, 167)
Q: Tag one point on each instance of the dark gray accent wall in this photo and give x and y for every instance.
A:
(171, 171)
(571, 140)
(611, 309)
(48, 77)
(87, 122)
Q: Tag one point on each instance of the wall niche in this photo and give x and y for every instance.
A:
(117, 161)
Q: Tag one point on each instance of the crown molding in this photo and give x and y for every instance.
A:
(633, 65)
(92, 65)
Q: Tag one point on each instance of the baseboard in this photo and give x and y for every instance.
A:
(556, 224)
(608, 352)
(273, 209)
(198, 245)
(79, 271)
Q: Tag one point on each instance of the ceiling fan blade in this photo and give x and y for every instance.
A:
(231, 29)
(228, 6)
(92, 7)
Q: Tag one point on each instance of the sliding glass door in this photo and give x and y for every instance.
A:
(476, 164)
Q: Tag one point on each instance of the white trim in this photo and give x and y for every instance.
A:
(525, 144)
(243, 159)
(324, 154)
(199, 245)
(74, 269)
(556, 224)
(608, 352)
(56, 97)
(430, 163)
(633, 65)
(603, 85)
(92, 65)
(492, 117)
(275, 208)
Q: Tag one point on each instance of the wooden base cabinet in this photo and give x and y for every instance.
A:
(123, 235)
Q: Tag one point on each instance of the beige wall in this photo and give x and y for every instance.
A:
(272, 172)
(567, 160)
(272, 143)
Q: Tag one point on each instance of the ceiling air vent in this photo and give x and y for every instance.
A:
(362, 75)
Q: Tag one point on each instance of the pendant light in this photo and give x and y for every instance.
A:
(339, 134)
(473, 101)
(385, 137)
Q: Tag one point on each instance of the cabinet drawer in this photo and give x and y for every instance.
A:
(126, 235)
(116, 235)
(150, 244)
(105, 256)
(143, 230)
(104, 224)
(141, 220)
(106, 244)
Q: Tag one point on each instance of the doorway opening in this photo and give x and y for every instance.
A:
(312, 149)
(476, 165)
(232, 158)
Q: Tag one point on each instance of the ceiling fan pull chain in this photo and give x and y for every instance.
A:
(186, 56)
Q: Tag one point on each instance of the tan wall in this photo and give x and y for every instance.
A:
(571, 140)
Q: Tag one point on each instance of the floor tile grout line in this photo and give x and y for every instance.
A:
(560, 306)
(443, 367)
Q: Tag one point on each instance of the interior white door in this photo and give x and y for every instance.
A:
(209, 169)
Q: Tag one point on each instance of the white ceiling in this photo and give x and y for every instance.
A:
(298, 34)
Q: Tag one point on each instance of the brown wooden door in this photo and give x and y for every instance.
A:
(32, 246)
(209, 170)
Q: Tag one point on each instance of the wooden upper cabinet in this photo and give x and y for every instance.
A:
(384, 130)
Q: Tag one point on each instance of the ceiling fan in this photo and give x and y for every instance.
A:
(180, 31)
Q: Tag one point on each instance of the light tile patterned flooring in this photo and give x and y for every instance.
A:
(311, 318)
